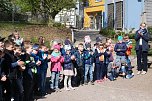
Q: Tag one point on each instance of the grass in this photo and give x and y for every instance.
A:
(32, 32)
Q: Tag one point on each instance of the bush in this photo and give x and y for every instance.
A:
(58, 25)
(131, 36)
(107, 32)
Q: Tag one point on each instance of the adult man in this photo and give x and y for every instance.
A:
(142, 38)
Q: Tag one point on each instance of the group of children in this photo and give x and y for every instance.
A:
(23, 65)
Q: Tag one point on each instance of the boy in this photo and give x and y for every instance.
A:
(27, 74)
(88, 60)
(43, 56)
(128, 53)
(1, 42)
(2, 75)
(120, 49)
(36, 69)
(10, 65)
(79, 55)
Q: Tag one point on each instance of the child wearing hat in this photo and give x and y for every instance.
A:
(56, 67)
(69, 69)
(120, 49)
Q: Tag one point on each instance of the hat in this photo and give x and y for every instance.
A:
(88, 45)
(57, 47)
(98, 39)
(120, 38)
(35, 47)
(67, 47)
(67, 42)
(1, 39)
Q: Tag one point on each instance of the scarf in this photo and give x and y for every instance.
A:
(54, 54)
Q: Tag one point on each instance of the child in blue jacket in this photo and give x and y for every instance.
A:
(88, 64)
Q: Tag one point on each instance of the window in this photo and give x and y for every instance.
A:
(98, 0)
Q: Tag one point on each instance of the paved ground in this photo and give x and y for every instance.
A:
(138, 88)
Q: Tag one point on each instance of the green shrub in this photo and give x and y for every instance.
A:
(131, 36)
(107, 32)
(58, 25)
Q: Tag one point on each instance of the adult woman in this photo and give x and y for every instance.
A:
(142, 38)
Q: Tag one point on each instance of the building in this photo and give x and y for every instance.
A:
(72, 17)
(94, 14)
(127, 14)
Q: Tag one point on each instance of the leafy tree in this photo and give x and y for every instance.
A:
(47, 7)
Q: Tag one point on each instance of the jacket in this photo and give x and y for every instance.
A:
(27, 73)
(79, 59)
(88, 58)
(97, 55)
(145, 38)
(122, 49)
(56, 63)
(68, 64)
(44, 62)
(129, 47)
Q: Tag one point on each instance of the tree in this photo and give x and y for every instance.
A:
(47, 7)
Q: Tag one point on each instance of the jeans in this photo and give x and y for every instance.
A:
(1, 97)
(128, 62)
(141, 57)
(55, 80)
(43, 81)
(28, 89)
(119, 60)
(18, 89)
(99, 70)
(80, 75)
(88, 68)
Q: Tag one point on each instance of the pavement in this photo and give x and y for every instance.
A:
(139, 88)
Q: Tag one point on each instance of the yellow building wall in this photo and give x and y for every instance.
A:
(94, 7)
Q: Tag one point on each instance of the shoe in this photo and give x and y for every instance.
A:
(143, 72)
(86, 83)
(139, 72)
(92, 83)
(57, 90)
(52, 90)
(72, 88)
(67, 89)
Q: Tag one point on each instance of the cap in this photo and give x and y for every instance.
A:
(120, 38)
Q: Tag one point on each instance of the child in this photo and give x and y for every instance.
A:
(129, 72)
(1, 43)
(36, 69)
(129, 47)
(2, 75)
(99, 62)
(17, 39)
(27, 74)
(17, 82)
(56, 67)
(88, 60)
(79, 55)
(68, 68)
(120, 49)
(43, 56)
(10, 67)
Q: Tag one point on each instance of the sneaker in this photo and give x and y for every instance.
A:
(144, 72)
(86, 83)
(139, 72)
(72, 88)
(57, 90)
(92, 83)
(67, 89)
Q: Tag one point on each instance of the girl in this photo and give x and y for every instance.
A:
(17, 39)
(56, 67)
(68, 68)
